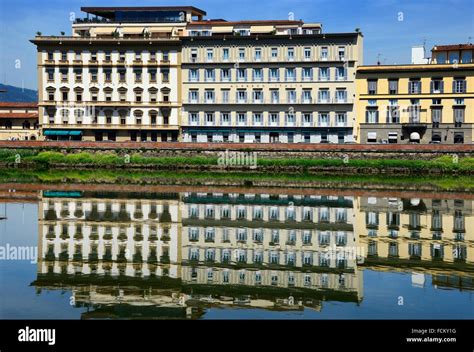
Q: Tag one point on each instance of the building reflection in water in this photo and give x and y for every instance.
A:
(165, 255)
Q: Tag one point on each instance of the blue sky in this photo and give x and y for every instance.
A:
(433, 21)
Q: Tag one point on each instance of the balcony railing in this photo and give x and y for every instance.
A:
(269, 101)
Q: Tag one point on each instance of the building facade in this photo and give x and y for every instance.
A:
(418, 103)
(19, 121)
(274, 82)
(164, 73)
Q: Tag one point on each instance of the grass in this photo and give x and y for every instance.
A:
(51, 159)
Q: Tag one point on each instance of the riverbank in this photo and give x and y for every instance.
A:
(300, 181)
(36, 159)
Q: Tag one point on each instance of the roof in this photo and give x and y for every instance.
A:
(18, 115)
(104, 11)
(9, 104)
(452, 47)
(413, 68)
(247, 22)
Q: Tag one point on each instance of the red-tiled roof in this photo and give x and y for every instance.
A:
(8, 104)
(452, 47)
(18, 115)
(247, 22)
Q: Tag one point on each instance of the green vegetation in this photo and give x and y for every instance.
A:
(257, 179)
(51, 159)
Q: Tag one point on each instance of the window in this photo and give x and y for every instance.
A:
(257, 119)
(194, 75)
(63, 56)
(341, 53)
(290, 119)
(372, 116)
(93, 72)
(392, 86)
(209, 118)
(194, 55)
(290, 74)
(210, 75)
(324, 53)
(307, 53)
(414, 111)
(258, 74)
(291, 96)
(241, 74)
(153, 95)
(258, 96)
(323, 96)
(210, 54)
(78, 74)
(414, 86)
(341, 74)
(242, 118)
(225, 75)
(307, 96)
(258, 54)
(437, 86)
(436, 116)
(241, 54)
(275, 96)
(193, 96)
(50, 56)
(459, 85)
(274, 53)
(323, 119)
(274, 119)
(307, 118)
(458, 116)
(209, 95)
(93, 56)
(241, 96)
(50, 74)
(341, 119)
(193, 118)
(122, 74)
(225, 54)
(372, 86)
(341, 96)
(274, 75)
(108, 75)
(291, 54)
(225, 95)
(324, 74)
(307, 74)
(138, 75)
(225, 118)
(165, 75)
(64, 74)
(393, 113)
(65, 95)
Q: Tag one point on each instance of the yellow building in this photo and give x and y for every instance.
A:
(19, 121)
(418, 103)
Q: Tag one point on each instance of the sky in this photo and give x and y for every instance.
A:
(390, 27)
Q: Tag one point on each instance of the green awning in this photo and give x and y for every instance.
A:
(62, 133)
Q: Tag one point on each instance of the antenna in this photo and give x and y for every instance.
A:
(469, 39)
(378, 59)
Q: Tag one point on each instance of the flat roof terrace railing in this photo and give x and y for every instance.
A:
(106, 21)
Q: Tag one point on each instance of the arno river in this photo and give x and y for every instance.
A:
(91, 252)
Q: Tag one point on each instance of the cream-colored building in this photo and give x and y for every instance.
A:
(268, 82)
(19, 121)
(165, 73)
(418, 103)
